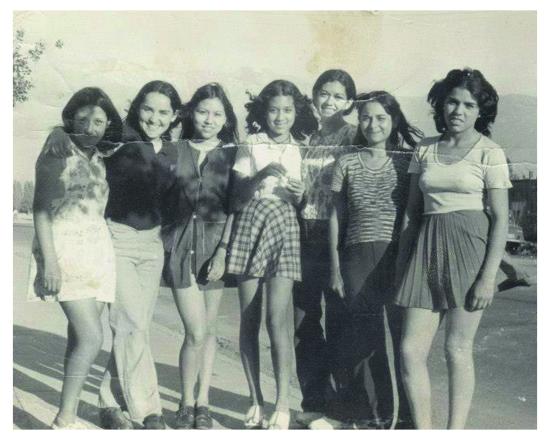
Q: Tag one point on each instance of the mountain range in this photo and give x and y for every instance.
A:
(515, 128)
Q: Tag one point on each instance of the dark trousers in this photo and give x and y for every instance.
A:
(368, 273)
(319, 367)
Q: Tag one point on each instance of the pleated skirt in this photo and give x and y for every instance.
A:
(445, 262)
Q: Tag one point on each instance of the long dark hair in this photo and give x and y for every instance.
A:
(473, 81)
(165, 88)
(343, 78)
(229, 133)
(96, 97)
(305, 123)
(402, 132)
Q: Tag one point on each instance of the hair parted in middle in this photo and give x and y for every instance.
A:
(96, 97)
(158, 86)
(343, 78)
(229, 134)
(305, 123)
(402, 132)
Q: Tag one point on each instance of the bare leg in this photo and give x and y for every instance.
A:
(395, 323)
(419, 329)
(212, 300)
(461, 327)
(279, 296)
(192, 310)
(250, 297)
(85, 338)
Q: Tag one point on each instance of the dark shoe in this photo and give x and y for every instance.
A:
(113, 418)
(185, 417)
(154, 421)
(404, 425)
(203, 420)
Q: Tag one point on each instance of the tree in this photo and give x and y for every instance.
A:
(28, 196)
(23, 59)
(17, 194)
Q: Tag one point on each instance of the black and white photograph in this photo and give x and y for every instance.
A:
(274, 219)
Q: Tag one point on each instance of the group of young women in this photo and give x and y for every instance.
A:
(374, 219)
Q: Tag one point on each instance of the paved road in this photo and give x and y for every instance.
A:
(505, 354)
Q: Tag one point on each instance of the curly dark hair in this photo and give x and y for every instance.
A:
(402, 132)
(343, 78)
(96, 97)
(229, 133)
(168, 90)
(473, 81)
(305, 123)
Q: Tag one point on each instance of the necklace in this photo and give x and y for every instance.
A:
(286, 140)
(451, 154)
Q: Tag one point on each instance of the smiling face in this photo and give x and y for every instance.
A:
(460, 111)
(375, 124)
(155, 115)
(89, 126)
(208, 118)
(281, 114)
(331, 99)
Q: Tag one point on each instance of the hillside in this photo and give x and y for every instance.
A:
(515, 128)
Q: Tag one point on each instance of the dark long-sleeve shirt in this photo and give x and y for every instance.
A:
(139, 181)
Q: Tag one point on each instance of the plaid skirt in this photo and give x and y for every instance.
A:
(265, 241)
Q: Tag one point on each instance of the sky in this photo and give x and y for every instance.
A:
(402, 52)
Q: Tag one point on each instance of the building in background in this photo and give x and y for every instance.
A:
(523, 204)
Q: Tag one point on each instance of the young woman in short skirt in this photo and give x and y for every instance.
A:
(451, 247)
(265, 245)
(74, 259)
(196, 239)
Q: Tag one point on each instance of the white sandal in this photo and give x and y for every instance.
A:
(279, 420)
(254, 418)
(77, 424)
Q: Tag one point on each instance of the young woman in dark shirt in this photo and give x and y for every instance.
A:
(196, 241)
(139, 174)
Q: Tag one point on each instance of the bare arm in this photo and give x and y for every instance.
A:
(52, 272)
(244, 187)
(227, 230)
(216, 267)
(48, 187)
(410, 225)
(335, 222)
(44, 235)
(297, 189)
(484, 287)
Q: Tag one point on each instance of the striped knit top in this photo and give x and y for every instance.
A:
(375, 199)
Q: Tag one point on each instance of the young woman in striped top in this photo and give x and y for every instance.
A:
(370, 193)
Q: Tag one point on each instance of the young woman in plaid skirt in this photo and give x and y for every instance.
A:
(265, 244)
